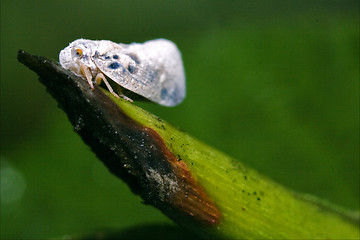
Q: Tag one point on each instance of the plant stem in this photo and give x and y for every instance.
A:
(192, 183)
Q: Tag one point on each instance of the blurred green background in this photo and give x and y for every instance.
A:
(275, 84)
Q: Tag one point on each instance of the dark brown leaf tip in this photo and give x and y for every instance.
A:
(135, 153)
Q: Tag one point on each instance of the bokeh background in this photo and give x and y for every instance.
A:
(275, 84)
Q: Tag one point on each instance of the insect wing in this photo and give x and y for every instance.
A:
(153, 70)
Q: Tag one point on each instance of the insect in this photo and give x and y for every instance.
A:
(153, 69)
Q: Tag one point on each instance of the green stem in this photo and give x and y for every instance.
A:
(194, 184)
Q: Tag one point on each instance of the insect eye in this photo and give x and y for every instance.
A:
(78, 52)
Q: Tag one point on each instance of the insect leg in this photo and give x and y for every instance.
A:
(100, 77)
(86, 72)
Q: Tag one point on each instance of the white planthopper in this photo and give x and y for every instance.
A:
(152, 69)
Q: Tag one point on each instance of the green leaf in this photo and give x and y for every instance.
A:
(194, 184)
